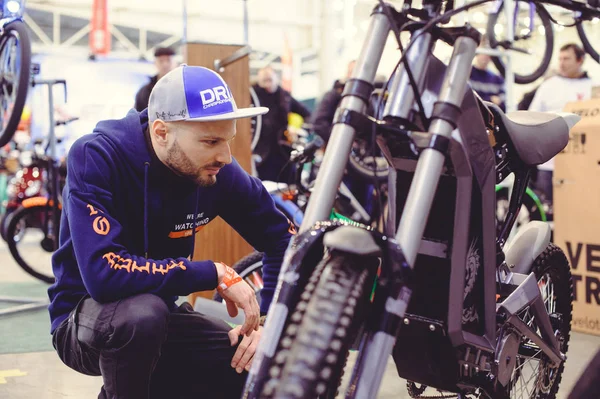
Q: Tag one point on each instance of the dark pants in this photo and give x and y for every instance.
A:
(143, 350)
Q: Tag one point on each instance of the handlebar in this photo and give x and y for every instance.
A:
(50, 83)
(66, 121)
(308, 152)
(219, 65)
(588, 8)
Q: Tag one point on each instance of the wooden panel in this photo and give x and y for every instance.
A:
(218, 241)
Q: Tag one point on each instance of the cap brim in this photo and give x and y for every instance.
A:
(237, 114)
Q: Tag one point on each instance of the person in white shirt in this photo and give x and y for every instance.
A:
(571, 84)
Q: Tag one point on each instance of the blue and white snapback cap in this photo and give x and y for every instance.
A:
(195, 94)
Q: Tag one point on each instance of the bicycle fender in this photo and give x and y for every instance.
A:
(37, 201)
(531, 240)
(354, 240)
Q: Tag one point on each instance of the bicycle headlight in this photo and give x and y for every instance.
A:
(12, 7)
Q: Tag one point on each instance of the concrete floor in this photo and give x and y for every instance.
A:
(41, 375)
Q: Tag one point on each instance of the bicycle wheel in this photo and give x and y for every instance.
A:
(587, 29)
(34, 250)
(532, 45)
(250, 270)
(314, 347)
(533, 376)
(363, 165)
(4, 221)
(15, 72)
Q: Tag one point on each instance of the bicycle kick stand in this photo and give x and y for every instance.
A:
(28, 303)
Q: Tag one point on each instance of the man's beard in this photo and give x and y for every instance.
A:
(177, 161)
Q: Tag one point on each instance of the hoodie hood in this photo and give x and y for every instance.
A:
(130, 138)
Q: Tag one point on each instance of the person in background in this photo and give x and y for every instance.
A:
(164, 62)
(280, 103)
(525, 102)
(322, 124)
(323, 116)
(487, 84)
(571, 84)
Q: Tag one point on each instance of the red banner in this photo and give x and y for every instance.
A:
(287, 60)
(99, 34)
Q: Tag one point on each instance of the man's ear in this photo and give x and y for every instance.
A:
(159, 131)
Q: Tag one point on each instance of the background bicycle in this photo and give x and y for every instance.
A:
(15, 67)
(533, 31)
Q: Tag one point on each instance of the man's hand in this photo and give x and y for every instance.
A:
(238, 294)
(496, 100)
(242, 359)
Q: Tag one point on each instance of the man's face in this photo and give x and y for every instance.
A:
(267, 79)
(164, 64)
(482, 61)
(198, 150)
(568, 65)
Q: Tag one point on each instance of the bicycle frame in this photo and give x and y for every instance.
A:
(53, 173)
(456, 147)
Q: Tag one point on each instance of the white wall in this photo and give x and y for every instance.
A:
(95, 91)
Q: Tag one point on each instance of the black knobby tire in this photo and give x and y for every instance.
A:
(15, 221)
(587, 45)
(546, 59)
(364, 170)
(553, 263)
(333, 315)
(16, 29)
(243, 267)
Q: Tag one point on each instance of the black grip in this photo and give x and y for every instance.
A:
(308, 152)
(313, 146)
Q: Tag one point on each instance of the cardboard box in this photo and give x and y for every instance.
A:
(577, 212)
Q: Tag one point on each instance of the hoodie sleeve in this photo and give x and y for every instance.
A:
(250, 210)
(108, 268)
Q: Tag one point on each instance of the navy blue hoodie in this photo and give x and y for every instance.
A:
(127, 221)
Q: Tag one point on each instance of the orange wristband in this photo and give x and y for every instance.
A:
(230, 278)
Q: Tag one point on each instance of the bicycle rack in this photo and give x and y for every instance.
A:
(27, 304)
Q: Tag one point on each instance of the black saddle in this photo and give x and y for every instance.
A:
(536, 136)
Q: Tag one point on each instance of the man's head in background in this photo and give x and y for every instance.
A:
(268, 79)
(482, 61)
(164, 61)
(570, 61)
